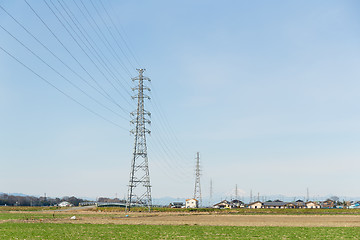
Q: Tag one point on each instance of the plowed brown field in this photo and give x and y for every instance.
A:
(205, 219)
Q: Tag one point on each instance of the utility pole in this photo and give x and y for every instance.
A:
(139, 189)
(197, 191)
(307, 194)
(236, 192)
(251, 196)
(211, 193)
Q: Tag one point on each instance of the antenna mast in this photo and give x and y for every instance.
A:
(139, 191)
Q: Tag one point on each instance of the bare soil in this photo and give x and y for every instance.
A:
(205, 219)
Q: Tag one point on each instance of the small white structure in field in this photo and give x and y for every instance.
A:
(191, 203)
(65, 204)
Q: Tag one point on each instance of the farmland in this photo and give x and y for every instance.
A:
(109, 231)
(114, 223)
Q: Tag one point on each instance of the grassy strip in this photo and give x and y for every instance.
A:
(101, 231)
(30, 209)
(54, 215)
(31, 216)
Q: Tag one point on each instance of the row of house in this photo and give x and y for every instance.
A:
(354, 205)
(193, 203)
(281, 204)
(229, 204)
(189, 203)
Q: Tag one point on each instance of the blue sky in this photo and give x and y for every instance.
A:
(266, 91)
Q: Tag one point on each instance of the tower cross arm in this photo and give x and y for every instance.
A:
(140, 97)
(141, 78)
(144, 120)
(137, 88)
(133, 113)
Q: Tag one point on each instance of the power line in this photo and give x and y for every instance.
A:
(101, 38)
(90, 58)
(118, 32)
(116, 42)
(167, 169)
(61, 75)
(175, 163)
(103, 35)
(167, 140)
(111, 52)
(77, 61)
(58, 89)
(164, 123)
(54, 55)
(168, 156)
(99, 55)
(168, 151)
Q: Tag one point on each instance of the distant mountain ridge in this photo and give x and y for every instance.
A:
(17, 194)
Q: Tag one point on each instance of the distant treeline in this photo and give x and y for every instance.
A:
(11, 200)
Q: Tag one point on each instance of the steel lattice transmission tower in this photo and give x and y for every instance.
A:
(139, 191)
(197, 190)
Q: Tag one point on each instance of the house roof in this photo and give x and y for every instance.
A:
(191, 199)
(275, 203)
(222, 202)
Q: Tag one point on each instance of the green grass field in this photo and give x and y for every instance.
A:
(108, 231)
(31, 216)
(29, 209)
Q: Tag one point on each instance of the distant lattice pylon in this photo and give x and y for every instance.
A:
(197, 190)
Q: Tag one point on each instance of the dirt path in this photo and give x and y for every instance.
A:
(74, 209)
